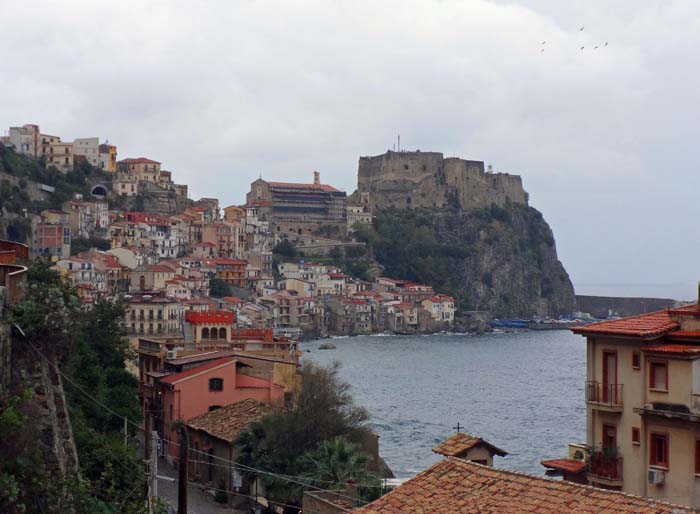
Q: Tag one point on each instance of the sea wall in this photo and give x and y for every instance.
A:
(602, 306)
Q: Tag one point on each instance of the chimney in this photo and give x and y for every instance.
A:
(317, 177)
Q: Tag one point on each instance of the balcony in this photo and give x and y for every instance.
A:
(604, 467)
(606, 397)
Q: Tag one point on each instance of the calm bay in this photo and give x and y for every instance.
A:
(523, 392)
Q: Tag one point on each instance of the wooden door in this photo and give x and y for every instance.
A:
(609, 385)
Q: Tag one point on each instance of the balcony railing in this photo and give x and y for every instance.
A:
(604, 394)
(605, 463)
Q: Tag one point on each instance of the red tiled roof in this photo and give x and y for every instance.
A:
(201, 357)
(692, 309)
(673, 349)
(292, 185)
(454, 486)
(462, 442)
(139, 160)
(227, 422)
(570, 465)
(651, 325)
(684, 335)
(172, 379)
(158, 268)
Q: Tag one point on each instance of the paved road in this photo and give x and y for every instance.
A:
(198, 500)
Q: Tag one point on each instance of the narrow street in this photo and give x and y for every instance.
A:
(199, 501)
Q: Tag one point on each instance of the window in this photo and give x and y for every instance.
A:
(658, 376)
(697, 457)
(636, 360)
(214, 407)
(216, 384)
(635, 435)
(658, 455)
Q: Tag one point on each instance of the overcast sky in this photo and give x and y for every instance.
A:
(221, 92)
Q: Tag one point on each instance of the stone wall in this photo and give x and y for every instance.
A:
(427, 179)
(602, 306)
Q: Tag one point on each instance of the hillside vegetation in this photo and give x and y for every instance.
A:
(501, 260)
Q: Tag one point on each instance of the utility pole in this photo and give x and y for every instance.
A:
(154, 465)
(184, 441)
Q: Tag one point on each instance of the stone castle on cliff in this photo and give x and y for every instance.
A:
(428, 179)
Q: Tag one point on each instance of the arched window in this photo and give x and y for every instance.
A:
(222, 333)
(216, 384)
(205, 333)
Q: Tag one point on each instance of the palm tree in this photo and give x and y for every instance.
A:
(336, 462)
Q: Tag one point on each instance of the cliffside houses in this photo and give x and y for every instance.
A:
(63, 155)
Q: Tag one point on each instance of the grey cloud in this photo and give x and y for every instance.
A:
(223, 91)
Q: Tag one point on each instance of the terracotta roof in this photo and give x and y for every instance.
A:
(201, 357)
(462, 442)
(673, 349)
(139, 160)
(230, 420)
(684, 334)
(454, 486)
(292, 185)
(158, 268)
(691, 309)
(177, 377)
(651, 325)
(570, 465)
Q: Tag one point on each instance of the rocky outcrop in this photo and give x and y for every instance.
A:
(513, 268)
(501, 260)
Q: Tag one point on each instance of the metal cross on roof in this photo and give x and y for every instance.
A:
(458, 428)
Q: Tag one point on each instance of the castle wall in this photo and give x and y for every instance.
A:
(427, 179)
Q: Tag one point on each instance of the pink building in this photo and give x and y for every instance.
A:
(200, 389)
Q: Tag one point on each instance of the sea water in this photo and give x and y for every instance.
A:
(523, 392)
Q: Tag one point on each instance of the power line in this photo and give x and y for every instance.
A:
(126, 419)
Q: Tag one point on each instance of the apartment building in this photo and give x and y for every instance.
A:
(643, 406)
(300, 209)
(145, 169)
(87, 149)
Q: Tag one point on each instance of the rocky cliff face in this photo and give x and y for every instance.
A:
(514, 269)
(498, 259)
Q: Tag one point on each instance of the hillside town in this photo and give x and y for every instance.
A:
(165, 265)
(215, 303)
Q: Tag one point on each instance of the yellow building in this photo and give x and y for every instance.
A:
(145, 169)
(643, 405)
(108, 158)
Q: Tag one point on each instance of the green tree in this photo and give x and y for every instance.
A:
(337, 461)
(322, 410)
(80, 244)
(219, 288)
(91, 349)
(286, 249)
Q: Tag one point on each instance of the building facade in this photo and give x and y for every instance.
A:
(294, 209)
(643, 405)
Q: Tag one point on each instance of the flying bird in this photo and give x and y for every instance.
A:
(580, 29)
(583, 47)
(542, 50)
(595, 48)
(606, 43)
(544, 42)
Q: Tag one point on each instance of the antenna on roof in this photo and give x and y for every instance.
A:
(398, 145)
